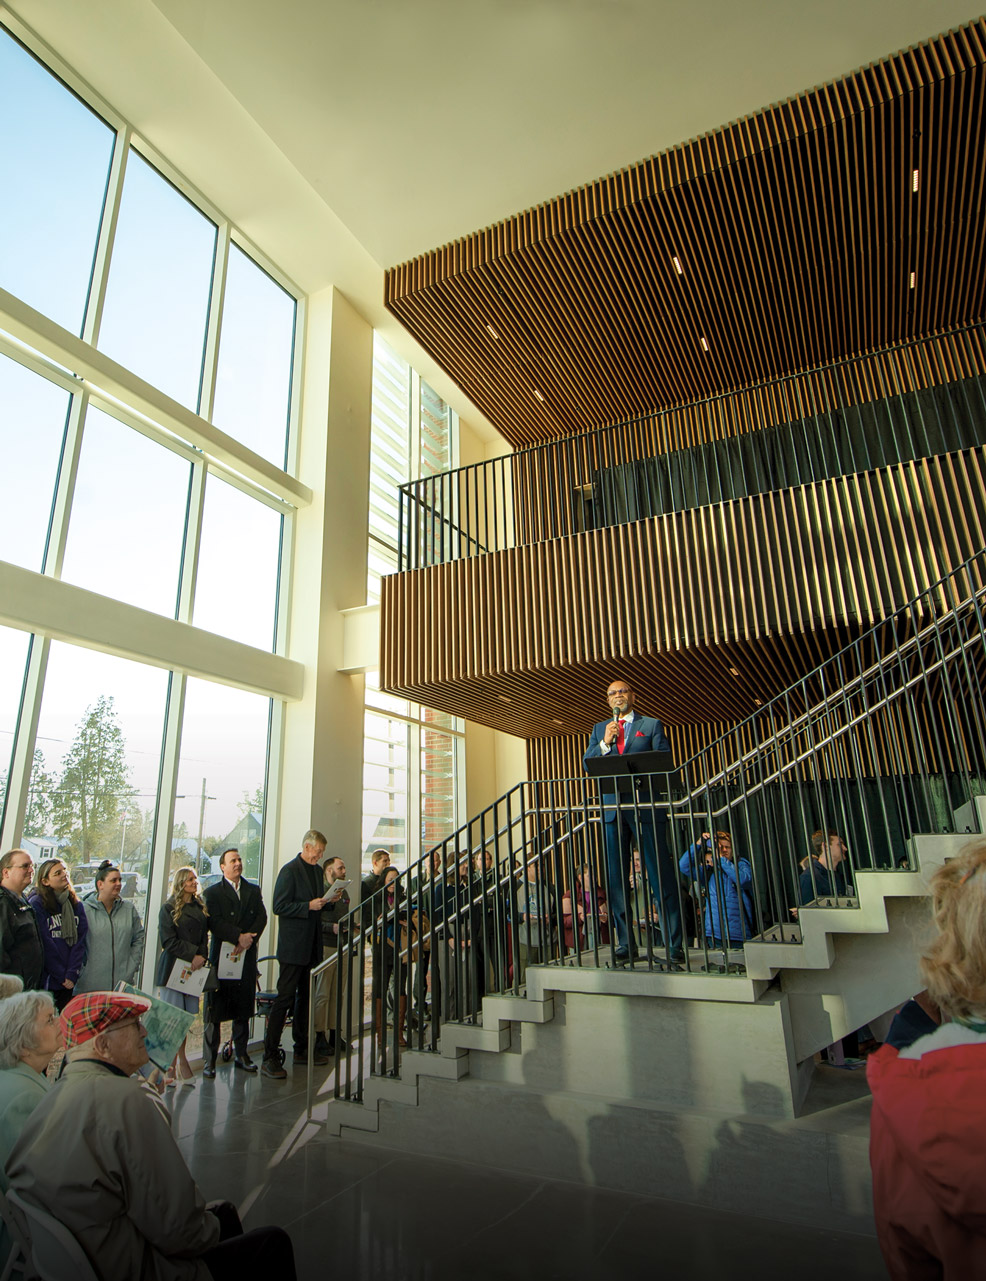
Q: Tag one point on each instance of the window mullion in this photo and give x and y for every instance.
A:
(210, 363)
(297, 383)
(414, 807)
(193, 542)
(158, 874)
(107, 236)
(68, 471)
(414, 433)
(25, 739)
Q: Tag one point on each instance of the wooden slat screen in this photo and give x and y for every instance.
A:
(715, 607)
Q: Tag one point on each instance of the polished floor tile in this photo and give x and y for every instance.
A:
(375, 1214)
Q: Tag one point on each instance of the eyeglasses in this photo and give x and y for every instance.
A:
(122, 1024)
(614, 692)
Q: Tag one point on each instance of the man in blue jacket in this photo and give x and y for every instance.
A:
(643, 824)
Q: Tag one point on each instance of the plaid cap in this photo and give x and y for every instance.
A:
(86, 1016)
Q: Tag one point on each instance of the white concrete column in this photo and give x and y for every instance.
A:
(320, 738)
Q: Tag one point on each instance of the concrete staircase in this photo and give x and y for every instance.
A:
(633, 1075)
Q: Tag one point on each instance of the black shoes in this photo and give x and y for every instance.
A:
(209, 1071)
(319, 1057)
(273, 1069)
(245, 1064)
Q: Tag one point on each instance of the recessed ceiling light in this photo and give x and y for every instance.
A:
(758, 702)
(913, 274)
(678, 267)
(733, 671)
(505, 698)
(557, 721)
(914, 180)
(705, 345)
(492, 332)
(538, 394)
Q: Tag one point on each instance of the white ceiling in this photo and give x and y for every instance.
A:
(343, 137)
(418, 121)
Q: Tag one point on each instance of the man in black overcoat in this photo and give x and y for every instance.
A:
(237, 916)
(299, 896)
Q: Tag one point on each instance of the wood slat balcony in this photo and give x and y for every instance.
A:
(711, 609)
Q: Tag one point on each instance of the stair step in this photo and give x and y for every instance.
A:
(392, 1088)
(449, 1067)
(517, 1009)
(343, 1114)
(469, 1036)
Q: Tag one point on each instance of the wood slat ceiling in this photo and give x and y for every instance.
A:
(797, 231)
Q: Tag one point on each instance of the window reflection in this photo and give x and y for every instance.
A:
(128, 516)
(54, 165)
(157, 297)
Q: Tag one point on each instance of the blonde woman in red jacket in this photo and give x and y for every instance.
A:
(928, 1126)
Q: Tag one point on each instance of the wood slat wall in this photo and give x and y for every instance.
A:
(879, 749)
(715, 607)
(797, 231)
(542, 479)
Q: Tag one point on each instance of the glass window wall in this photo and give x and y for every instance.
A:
(99, 737)
(236, 588)
(55, 158)
(127, 528)
(253, 377)
(157, 298)
(222, 771)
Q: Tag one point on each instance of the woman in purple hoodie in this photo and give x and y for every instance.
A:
(63, 926)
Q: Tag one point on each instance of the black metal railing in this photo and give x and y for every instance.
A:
(881, 741)
(621, 473)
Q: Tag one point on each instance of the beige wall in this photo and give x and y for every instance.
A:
(495, 763)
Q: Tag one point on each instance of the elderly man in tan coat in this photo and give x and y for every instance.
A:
(101, 1156)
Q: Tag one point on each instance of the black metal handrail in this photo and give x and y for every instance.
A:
(881, 741)
(642, 467)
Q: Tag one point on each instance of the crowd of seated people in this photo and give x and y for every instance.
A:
(97, 1144)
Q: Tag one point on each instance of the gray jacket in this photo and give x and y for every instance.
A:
(115, 945)
(100, 1154)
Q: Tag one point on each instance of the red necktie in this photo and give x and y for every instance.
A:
(621, 738)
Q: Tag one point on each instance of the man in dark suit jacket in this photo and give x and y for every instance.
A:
(299, 896)
(644, 824)
(236, 915)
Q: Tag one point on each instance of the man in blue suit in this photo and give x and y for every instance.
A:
(643, 824)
